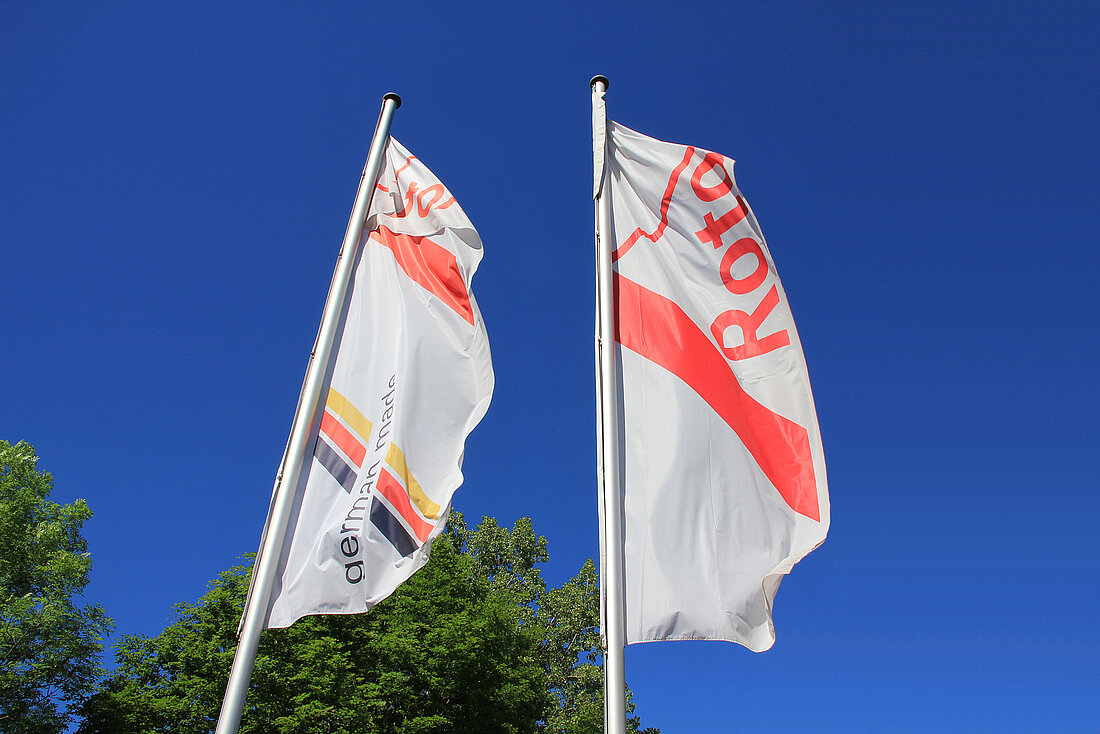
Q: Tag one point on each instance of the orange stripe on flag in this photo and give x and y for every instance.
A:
(343, 439)
(342, 407)
(658, 330)
(396, 458)
(392, 490)
(430, 265)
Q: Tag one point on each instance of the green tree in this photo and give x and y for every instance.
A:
(473, 642)
(565, 620)
(445, 653)
(49, 644)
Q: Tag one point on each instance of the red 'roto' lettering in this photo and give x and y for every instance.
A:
(753, 345)
(438, 192)
(710, 162)
(715, 228)
(414, 192)
(740, 248)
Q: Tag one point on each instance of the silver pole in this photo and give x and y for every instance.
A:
(608, 415)
(267, 562)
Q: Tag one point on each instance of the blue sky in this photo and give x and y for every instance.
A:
(176, 183)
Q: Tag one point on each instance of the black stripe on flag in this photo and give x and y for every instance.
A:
(340, 470)
(395, 532)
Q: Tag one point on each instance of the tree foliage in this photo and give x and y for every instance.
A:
(565, 620)
(49, 644)
(473, 642)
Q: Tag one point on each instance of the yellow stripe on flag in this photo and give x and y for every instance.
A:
(340, 405)
(396, 459)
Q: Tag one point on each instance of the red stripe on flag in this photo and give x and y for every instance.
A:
(430, 265)
(342, 438)
(392, 490)
(658, 330)
(665, 201)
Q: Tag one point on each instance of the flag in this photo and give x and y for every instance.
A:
(723, 476)
(410, 377)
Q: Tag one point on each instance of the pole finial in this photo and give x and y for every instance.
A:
(599, 78)
(394, 96)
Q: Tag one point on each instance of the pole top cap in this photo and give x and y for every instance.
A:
(394, 96)
(599, 78)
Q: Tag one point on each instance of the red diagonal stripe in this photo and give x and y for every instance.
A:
(430, 265)
(392, 490)
(342, 437)
(657, 329)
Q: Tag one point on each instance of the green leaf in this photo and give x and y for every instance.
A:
(49, 644)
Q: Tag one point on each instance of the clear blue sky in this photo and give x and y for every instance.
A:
(175, 184)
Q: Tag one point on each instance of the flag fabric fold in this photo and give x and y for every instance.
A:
(410, 378)
(723, 474)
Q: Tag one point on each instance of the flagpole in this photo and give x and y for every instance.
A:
(608, 417)
(267, 560)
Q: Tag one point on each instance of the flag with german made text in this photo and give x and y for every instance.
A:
(723, 474)
(410, 378)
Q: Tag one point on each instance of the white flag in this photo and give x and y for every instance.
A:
(410, 379)
(724, 485)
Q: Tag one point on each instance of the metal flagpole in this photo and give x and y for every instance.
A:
(267, 561)
(608, 417)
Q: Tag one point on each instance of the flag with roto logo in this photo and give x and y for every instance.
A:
(723, 474)
(410, 379)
